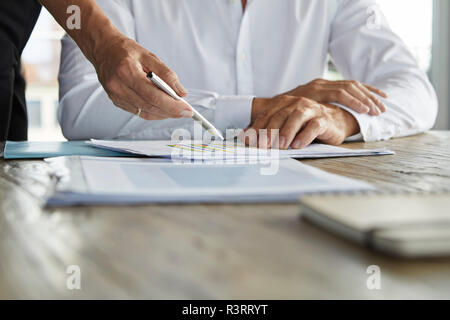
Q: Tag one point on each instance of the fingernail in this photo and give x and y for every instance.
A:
(296, 145)
(282, 142)
(187, 114)
(180, 89)
(366, 109)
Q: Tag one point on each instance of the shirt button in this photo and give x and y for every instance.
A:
(243, 56)
(232, 1)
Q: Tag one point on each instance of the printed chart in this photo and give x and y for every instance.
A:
(206, 148)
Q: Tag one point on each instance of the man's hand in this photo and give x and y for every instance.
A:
(122, 66)
(300, 121)
(352, 94)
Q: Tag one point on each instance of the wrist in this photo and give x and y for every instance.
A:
(351, 125)
(348, 123)
(102, 47)
(95, 47)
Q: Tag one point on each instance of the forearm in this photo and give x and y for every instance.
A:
(95, 28)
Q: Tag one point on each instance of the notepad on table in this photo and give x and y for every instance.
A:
(407, 225)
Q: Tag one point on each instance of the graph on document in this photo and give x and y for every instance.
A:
(209, 148)
(217, 151)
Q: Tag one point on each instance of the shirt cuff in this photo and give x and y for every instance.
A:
(233, 112)
(369, 129)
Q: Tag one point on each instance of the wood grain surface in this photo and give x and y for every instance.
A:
(212, 251)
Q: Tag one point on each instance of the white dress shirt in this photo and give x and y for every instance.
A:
(225, 57)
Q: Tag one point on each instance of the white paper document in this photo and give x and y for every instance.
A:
(93, 180)
(228, 150)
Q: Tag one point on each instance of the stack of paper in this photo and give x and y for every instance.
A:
(228, 150)
(210, 172)
(93, 180)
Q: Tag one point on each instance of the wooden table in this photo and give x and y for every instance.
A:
(211, 251)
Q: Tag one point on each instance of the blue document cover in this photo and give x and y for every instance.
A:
(40, 150)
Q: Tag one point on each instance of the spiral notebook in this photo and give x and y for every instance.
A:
(405, 225)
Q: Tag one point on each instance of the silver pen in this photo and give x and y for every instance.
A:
(197, 115)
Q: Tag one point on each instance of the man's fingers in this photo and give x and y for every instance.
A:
(309, 133)
(293, 125)
(364, 94)
(376, 90)
(124, 97)
(166, 74)
(151, 116)
(348, 99)
(249, 137)
(378, 103)
(275, 124)
(354, 88)
(133, 101)
(258, 128)
(161, 100)
(127, 99)
(260, 123)
(154, 97)
(132, 85)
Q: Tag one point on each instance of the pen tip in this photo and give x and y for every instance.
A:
(150, 75)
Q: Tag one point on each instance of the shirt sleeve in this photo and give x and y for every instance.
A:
(364, 48)
(226, 111)
(86, 112)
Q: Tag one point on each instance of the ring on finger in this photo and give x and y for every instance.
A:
(138, 113)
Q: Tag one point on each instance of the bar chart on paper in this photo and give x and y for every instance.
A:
(219, 150)
(202, 147)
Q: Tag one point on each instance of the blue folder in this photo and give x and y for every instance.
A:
(40, 150)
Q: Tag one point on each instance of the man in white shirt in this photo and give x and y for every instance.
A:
(232, 55)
